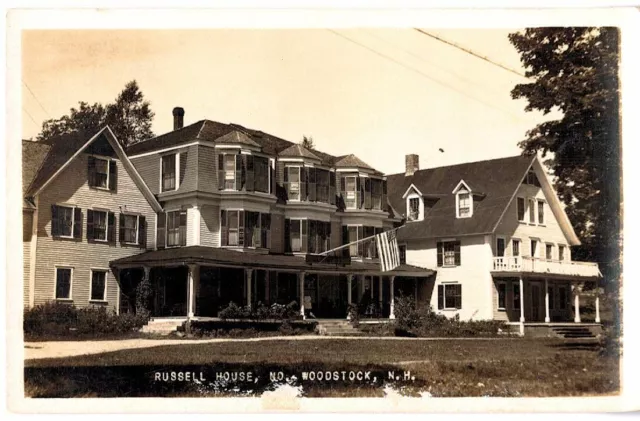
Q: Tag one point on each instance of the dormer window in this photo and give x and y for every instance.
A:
(415, 204)
(464, 200)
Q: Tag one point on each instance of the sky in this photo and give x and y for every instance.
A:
(377, 93)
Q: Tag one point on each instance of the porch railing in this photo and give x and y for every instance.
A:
(536, 265)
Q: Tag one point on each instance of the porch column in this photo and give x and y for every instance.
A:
(380, 292)
(301, 280)
(597, 307)
(392, 316)
(521, 306)
(576, 303)
(192, 280)
(249, 277)
(547, 319)
(349, 279)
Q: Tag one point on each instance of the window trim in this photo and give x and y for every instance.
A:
(235, 170)
(542, 203)
(166, 228)
(109, 161)
(546, 257)
(537, 253)
(444, 296)
(177, 164)
(519, 241)
(73, 221)
(458, 194)
(498, 283)
(137, 215)
(524, 213)
(355, 191)
(409, 213)
(562, 258)
(106, 282)
(445, 241)
(506, 245)
(532, 212)
(291, 231)
(106, 225)
(55, 283)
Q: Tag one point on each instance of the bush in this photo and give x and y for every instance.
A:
(422, 321)
(276, 312)
(60, 319)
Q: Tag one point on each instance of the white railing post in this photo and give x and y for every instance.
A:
(547, 319)
(301, 280)
(392, 316)
(349, 278)
(597, 307)
(576, 303)
(521, 292)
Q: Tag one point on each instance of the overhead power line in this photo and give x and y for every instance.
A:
(468, 51)
(30, 116)
(413, 69)
(36, 98)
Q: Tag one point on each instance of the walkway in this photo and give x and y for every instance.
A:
(59, 349)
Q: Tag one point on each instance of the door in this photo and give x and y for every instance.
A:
(535, 302)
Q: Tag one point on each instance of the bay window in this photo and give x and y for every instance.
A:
(239, 228)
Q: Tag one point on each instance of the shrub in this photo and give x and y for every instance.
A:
(353, 314)
(59, 319)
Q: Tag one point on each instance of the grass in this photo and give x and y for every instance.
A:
(502, 367)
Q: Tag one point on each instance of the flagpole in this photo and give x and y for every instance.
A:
(357, 241)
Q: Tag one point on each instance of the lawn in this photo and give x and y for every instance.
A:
(453, 367)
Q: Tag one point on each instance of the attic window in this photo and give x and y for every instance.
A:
(414, 208)
(464, 200)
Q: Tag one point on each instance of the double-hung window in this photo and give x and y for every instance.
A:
(294, 182)
(173, 229)
(500, 246)
(449, 296)
(541, 212)
(464, 205)
(129, 228)
(414, 208)
(100, 225)
(351, 189)
(295, 234)
(549, 251)
(63, 283)
(98, 285)
(534, 248)
(448, 253)
(561, 249)
(229, 172)
(101, 173)
(521, 209)
(62, 221)
(169, 172)
(515, 247)
(376, 193)
(532, 211)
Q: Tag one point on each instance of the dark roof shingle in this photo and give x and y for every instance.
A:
(496, 180)
(33, 155)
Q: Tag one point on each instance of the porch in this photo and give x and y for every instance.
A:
(197, 282)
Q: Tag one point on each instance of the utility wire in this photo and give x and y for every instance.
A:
(466, 50)
(421, 73)
(36, 98)
(30, 116)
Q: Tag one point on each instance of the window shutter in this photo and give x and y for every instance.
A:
(440, 254)
(458, 289)
(111, 229)
(142, 231)
(311, 185)
(224, 230)
(440, 296)
(456, 251)
(359, 192)
(220, 171)
(55, 228)
(367, 193)
(345, 240)
(239, 172)
(360, 237)
(343, 185)
(77, 223)
(183, 167)
(272, 172)
(332, 188)
(161, 231)
(241, 228)
(384, 195)
(304, 230)
(113, 175)
(303, 183)
(183, 228)
(287, 235)
(250, 172)
(91, 171)
(121, 228)
(89, 224)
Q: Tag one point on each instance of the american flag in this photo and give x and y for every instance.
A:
(387, 244)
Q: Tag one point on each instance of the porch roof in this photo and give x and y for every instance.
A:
(247, 259)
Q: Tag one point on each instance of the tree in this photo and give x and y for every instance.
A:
(129, 116)
(307, 142)
(575, 71)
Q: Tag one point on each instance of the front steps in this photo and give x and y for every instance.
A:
(573, 332)
(162, 326)
(337, 328)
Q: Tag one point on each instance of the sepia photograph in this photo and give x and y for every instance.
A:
(320, 212)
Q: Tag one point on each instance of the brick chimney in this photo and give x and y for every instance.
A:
(178, 118)
(411, 163)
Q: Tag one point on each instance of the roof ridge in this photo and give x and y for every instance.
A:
(461, 164)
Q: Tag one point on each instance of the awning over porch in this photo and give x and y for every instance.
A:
(246, 259)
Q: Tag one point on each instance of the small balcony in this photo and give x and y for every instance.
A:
(524, 264)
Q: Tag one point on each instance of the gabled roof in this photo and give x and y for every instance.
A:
(498, 179)
(351, 161)
(298, 151)
(65, 148)
(411, 187)
(461, 184)
(200, 130)
(33, 155)
(237, 137)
